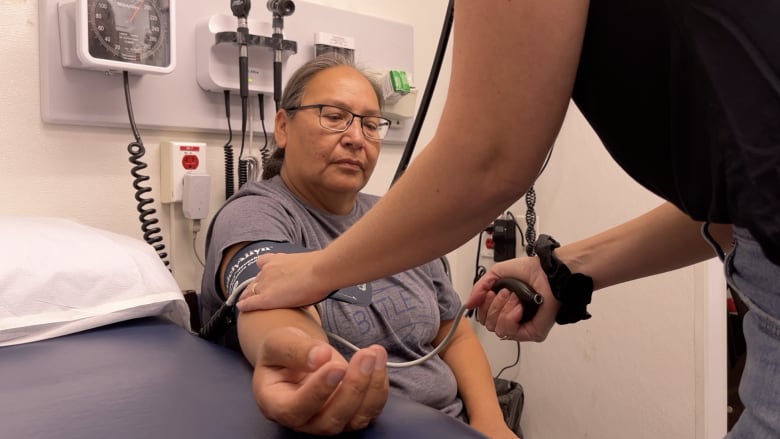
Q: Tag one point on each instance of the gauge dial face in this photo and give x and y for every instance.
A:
(133, 31)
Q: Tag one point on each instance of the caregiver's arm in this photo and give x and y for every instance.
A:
(661, 240)
(514, 64)
(658, 241)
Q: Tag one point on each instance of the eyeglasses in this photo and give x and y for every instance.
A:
(338, 120)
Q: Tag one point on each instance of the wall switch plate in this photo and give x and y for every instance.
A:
(178, 159)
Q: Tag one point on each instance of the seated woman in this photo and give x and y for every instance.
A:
(328, 136)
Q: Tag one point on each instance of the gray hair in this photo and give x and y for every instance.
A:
(293, 94)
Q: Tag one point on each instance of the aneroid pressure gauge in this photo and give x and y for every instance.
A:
(133, 35)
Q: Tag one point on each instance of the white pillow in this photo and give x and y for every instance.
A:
(58, 277)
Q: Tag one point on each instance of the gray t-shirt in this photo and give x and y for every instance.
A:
(406, 308)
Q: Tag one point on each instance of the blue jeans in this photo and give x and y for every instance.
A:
(751, 275)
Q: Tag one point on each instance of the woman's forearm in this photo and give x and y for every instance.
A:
(254, 326)
(466, 357)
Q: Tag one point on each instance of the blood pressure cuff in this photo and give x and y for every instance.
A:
(243, 266)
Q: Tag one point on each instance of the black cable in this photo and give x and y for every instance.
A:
(530, 221)
(517, 225)
(278, 41)
(279, 9)
(530, 211)
(265, 153)
(479, 269)
(219, 323)
(240, 9)
(137, 151)
(242, 164)
(277, 83)
(243, 172)
(228, 148)
(517, 360)
(429, 87)
(244, 111)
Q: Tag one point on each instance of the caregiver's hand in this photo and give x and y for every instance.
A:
(284, 281)
(501, 313)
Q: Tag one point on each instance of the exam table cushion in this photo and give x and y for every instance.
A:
(148, 378)
(59, 277)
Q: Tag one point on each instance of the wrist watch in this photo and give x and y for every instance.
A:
(573, 290)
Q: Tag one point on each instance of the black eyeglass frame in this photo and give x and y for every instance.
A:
(388, 122)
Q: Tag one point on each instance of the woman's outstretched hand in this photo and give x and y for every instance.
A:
(306, 385)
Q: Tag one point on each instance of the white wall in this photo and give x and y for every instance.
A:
(628, 372)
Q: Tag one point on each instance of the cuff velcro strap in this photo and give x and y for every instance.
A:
(573, 290)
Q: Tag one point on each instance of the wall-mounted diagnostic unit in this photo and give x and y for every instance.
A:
(216, 68)
(119, 35)
(192, 50)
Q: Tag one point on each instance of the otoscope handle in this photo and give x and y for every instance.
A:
(243, 75)
(277, 83)
(529, 298)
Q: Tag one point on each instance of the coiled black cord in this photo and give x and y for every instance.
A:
(265, 152)
(530, 221)
(229, 182)
(530, 211)
(228, 148)
(137, 151)
(243, 172)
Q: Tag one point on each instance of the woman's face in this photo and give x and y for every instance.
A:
(329, 168)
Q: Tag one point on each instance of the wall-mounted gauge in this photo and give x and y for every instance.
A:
(133, 35)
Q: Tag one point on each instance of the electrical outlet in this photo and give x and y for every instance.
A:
(178, 159)
(486, 246)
